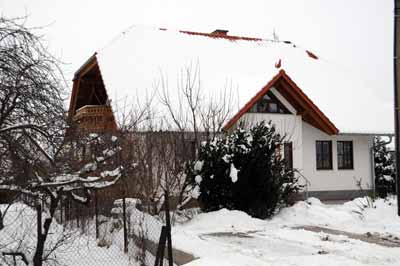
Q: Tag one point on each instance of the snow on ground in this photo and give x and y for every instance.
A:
(353, 216)
(232, 238)
(19, 234)
(78, 248)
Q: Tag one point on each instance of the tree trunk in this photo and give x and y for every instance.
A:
(38, 258)
(42, 236)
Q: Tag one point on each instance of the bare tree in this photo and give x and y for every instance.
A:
(194, 116)
(216, 112)
(193, 110)
(31, 104)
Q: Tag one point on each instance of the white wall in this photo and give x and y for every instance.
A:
(303, 136)
(336, 179)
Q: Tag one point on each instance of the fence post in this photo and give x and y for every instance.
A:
(37, 258)
(161, 247)
(168, 224)
(61, 212)
(96, 214)
(165, 237)
(77, 213)
(125, 231)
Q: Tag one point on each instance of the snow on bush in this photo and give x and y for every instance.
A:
(233, 174)
(198, 165)
(243, 171)
(198, 179)
(196, 192)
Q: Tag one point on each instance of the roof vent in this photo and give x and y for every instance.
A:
(220, 32)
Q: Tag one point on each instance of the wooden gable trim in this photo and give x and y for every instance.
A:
(289, 88)
(72, 102)
(85, 68)
(322, 120)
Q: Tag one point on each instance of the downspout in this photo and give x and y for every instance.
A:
(372, 152)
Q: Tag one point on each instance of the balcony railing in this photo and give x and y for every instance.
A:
(95, 118)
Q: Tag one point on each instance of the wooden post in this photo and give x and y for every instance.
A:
(61, 212)
(96, 214)
(74, 205)
(397, 95)
(161, 247)
(125, 228)
(165, 237)
(168, 224)
(37, 258)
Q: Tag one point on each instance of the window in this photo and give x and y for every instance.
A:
(273, 107)
(324, 154)
(288, 154)
(345, 154)
(269, 104)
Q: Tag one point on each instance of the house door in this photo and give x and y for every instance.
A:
(288, 154)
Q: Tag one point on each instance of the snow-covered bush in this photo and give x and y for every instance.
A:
(385, 172)
(243, 171)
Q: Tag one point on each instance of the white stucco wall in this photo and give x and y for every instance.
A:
(304, 136)
(336, 179)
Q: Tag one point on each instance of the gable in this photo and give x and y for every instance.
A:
(88, 87)
(296, 97)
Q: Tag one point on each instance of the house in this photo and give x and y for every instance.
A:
(329, 116)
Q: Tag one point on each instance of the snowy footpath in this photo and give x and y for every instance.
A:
(292, 237)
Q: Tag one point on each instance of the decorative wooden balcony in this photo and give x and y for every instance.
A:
(95, 118)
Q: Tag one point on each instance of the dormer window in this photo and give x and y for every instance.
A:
(269, 104)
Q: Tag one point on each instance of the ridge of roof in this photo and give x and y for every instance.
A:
(212, 35)
(223, 36)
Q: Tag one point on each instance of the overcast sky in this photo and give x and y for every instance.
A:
(353, 34)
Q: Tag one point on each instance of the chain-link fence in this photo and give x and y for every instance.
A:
(103, 232)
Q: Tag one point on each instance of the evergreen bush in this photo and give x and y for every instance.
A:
(243, 171)
(385, 171)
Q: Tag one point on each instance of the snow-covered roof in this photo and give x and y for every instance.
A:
(132, 64)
